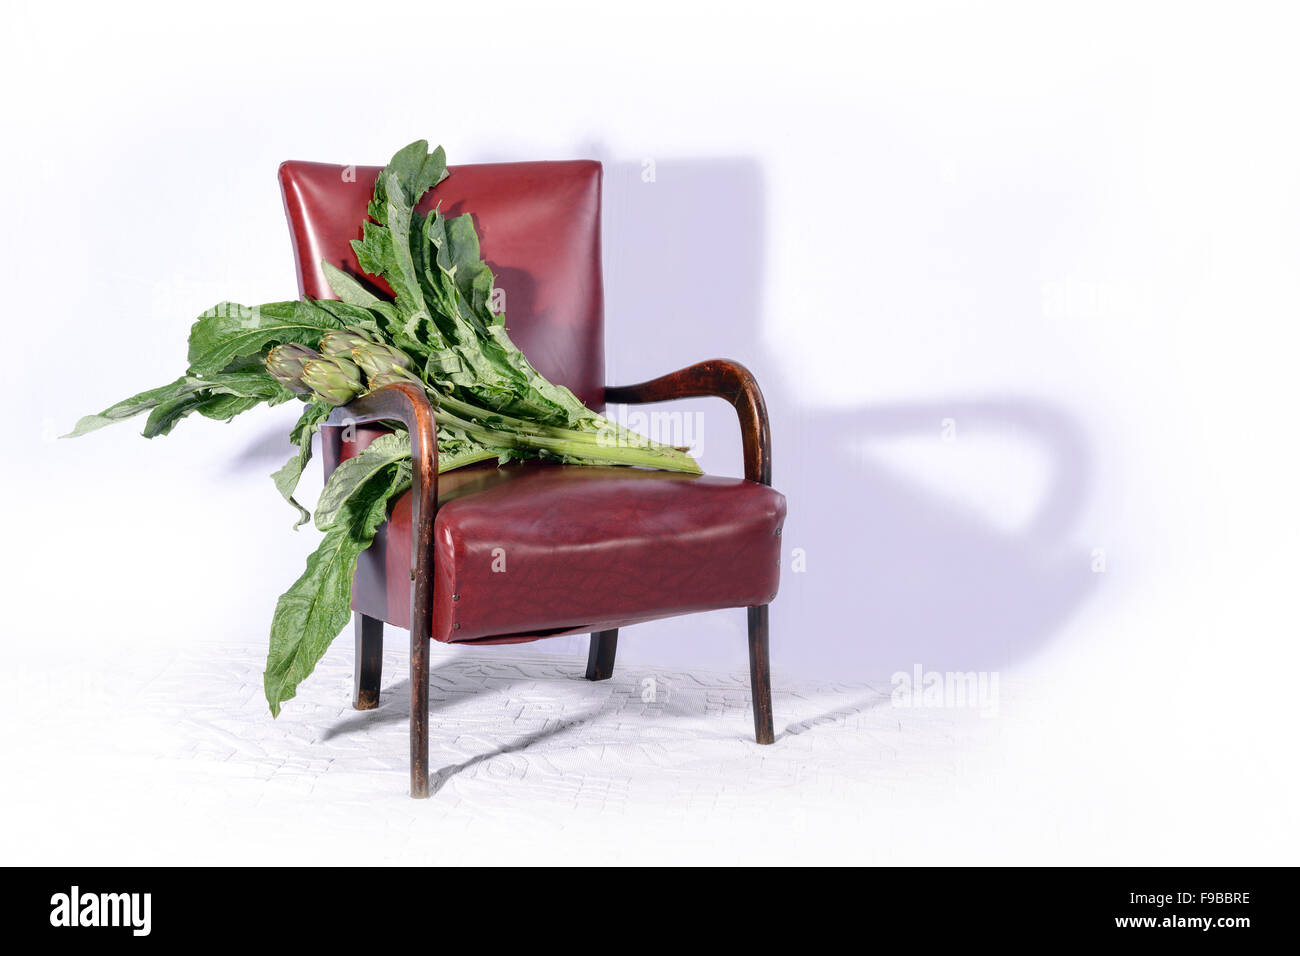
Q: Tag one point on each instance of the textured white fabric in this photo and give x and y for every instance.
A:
(173, 757)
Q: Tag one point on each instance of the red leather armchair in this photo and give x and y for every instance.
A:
(502, 555)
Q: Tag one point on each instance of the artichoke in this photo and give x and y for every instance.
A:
(379, 360)
(334, 379)
(341, 342)
(285, 363)
(394, 374)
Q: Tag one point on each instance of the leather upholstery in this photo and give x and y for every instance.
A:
(534, 550)
(585, 549)
(538, 227)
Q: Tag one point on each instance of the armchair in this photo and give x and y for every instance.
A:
(503, 555)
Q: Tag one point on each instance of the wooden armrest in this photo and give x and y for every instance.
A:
(407, 403)
(725, 379)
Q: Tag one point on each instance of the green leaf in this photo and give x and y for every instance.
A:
(356, 318)
(347, 288)
(374, 249)
(164, 418)
(249, 382)
(488, 368)
(352, 475)
(391, 246)
(135, 405)
(358, 306)
(287, 478)
(414, 170)
(473, 276)
(400, 271)
(223, 407)
(229, 331)
(221, 396)
(230, 393)
(312, 612)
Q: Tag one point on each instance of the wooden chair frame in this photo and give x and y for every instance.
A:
(407, 403)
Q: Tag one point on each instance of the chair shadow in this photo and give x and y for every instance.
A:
(394, 700)
(895, 573)
(905, 575)
(394, 706)
(838, 715)
(444, 775)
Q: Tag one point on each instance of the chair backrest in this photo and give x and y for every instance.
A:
(538, 227)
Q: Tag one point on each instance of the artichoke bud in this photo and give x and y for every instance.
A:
(376, 360)
(333, 379)
(391, 377)
(285, 363)
(341, 342)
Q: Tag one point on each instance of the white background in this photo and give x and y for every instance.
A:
(1074, 234)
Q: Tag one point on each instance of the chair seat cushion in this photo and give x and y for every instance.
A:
(532, 550)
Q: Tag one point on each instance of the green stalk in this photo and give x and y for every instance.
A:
(451, 462)
(572, 444)
(492, 419)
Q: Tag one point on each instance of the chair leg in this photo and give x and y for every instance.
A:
(419, 712)
(600, 658)
(760, 675)
(369, 662)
